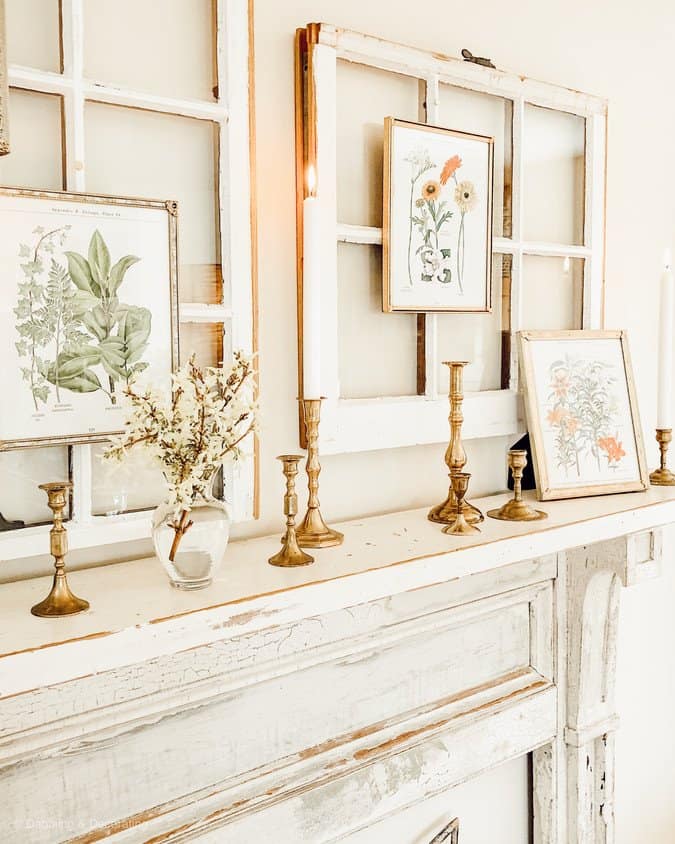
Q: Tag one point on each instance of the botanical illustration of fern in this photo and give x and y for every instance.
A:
(73, 329)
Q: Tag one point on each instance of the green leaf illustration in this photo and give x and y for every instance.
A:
(80, 272)
(99, 260)
(118, 272)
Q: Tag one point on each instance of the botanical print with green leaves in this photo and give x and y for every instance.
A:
(75, 333)
(433, 203)
(582, 409)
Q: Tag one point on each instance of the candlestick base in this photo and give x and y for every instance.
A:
(446, 513)
(663, 476)
(517, 511)
(315, 533)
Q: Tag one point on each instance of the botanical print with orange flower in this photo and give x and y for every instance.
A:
(430, 211)
(582, 410)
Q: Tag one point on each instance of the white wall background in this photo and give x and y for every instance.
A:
(613, 49)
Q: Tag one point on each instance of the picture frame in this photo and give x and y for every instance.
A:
(582, 413)
(437, 219)
(89, 300)
(4, 85)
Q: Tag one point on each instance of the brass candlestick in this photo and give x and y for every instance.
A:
(460, 526)
(290, 554)
(663, 476)
(313, 531)
(517, 510)
(60, 600)
(455, 456)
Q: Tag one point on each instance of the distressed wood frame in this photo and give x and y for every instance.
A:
(390, 124)
(350, 425)
(232, 113)
(544, 490)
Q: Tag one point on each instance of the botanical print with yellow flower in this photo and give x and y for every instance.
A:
(433, 203)
(582, 409)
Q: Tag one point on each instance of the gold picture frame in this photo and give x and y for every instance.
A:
(4, 85)
(582, 413)
(421, 180)
(120, 320)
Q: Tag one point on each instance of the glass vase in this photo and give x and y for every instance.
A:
(191, 543)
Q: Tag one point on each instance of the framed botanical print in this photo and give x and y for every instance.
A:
(88, 302)
(437, 232)
(582, 413)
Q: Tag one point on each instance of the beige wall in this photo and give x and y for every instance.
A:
(613, 49)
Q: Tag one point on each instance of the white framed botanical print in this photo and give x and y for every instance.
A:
(88, 302)
(437, 231)
(582, 413)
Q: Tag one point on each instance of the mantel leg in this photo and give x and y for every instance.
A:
(594, 577)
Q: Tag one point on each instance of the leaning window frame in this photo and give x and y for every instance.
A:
(350, 425)
(232, 112)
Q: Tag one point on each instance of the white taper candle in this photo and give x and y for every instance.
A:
(665, 366)
(311, 292)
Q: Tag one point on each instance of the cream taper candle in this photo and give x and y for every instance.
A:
(311, 292)
(665, 366)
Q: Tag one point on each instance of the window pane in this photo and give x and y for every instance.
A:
(553, 176)
(142, 153)
(205, 340)
(476, 338)
(36, 157)
(483, 114)
(134, 484)
(33, 33)
(22, 472)
(378, 351)
(164, 48)
(551, 292)
(365, 96)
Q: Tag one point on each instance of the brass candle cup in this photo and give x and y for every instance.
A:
(663, 476)
(60, 600)
(290, 553)
(517, 510)
(313, 532)
(455, 456)
(460, 526)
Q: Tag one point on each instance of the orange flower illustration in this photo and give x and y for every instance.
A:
(449, 168)
(431, 190)
(571, 424)
(555, 416)
(561, 384)
(612, 448)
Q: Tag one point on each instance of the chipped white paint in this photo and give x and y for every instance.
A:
(401, 664)
(407, 421)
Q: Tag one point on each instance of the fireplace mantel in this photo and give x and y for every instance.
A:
(308, 704)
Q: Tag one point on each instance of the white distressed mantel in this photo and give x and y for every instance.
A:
(306, 705)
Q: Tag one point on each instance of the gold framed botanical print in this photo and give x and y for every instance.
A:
(582, 413)
(437, 229)
(88, 302)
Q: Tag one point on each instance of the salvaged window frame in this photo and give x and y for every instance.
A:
(350, 425)
(232, 113)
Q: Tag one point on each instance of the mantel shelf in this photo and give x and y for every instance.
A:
(136, 615)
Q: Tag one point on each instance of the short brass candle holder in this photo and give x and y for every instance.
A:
(60, 600)
(313, 532)
(517, 510)
(290, 554)
(460, 526)
(663, 476)
(455, 456)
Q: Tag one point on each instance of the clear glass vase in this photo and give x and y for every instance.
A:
(191, 543)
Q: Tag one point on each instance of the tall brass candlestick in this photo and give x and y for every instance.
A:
(455, 456)
(314, 532)
(663, 476)
(290, 554)
(60, 600)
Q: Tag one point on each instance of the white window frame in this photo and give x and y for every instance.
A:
(351, 425)
(232, 112)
